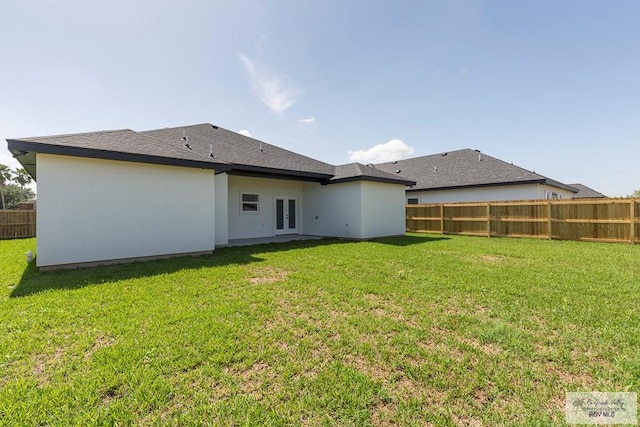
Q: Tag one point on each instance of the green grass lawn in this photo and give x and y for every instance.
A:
(415, 330)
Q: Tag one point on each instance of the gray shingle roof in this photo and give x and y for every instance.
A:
(122, 144)
(241, 151)
(585, 192)
(463, 168)
(353, 171)
(232, 152)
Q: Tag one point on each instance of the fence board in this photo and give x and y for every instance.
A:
(17, 224)
(600, 220)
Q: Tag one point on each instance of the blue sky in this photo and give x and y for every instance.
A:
(552, 86)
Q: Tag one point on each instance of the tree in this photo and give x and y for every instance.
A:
(6, 176)
(22, 177)
(635, 194)
(14, 195)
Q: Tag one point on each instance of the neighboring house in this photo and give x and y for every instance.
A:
(585, 192)
(124, 195)
(471, 176)
(28, 205)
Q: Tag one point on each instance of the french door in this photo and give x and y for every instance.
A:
(286, 215)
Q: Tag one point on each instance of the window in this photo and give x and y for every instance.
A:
(412, 201)
(249, 203)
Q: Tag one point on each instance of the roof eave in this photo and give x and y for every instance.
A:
(38, 147)
(263, 172)
(370, 179)
(560, 185)
(493, 184)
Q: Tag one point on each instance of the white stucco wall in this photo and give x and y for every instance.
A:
(333, 210)
(243, 225)
(222, 209)
(98, 210)
(357, 210)
(486, 194)
(383, 211)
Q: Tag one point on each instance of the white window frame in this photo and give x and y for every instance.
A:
(249, 202)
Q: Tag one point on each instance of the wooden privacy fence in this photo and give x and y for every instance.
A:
(17, 224)
(600, 220)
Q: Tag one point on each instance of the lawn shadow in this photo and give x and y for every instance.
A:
(34, 281)
(409, 240)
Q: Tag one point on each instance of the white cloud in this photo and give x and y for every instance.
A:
(276, 91)
(245, 132)
(395, 149)
(306, 121)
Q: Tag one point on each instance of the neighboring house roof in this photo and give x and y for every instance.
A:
(201, 146)
(464, 169)
(585, 192)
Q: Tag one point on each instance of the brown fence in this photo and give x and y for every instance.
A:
(17, 224)
(600, 220)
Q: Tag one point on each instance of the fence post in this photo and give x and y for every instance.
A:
(632, 220)
(549, 219)
(441, 218)
(488, 219)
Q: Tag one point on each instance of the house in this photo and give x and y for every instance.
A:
(585, 192)
(122, 195)
(471, 176)
(29, 205)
